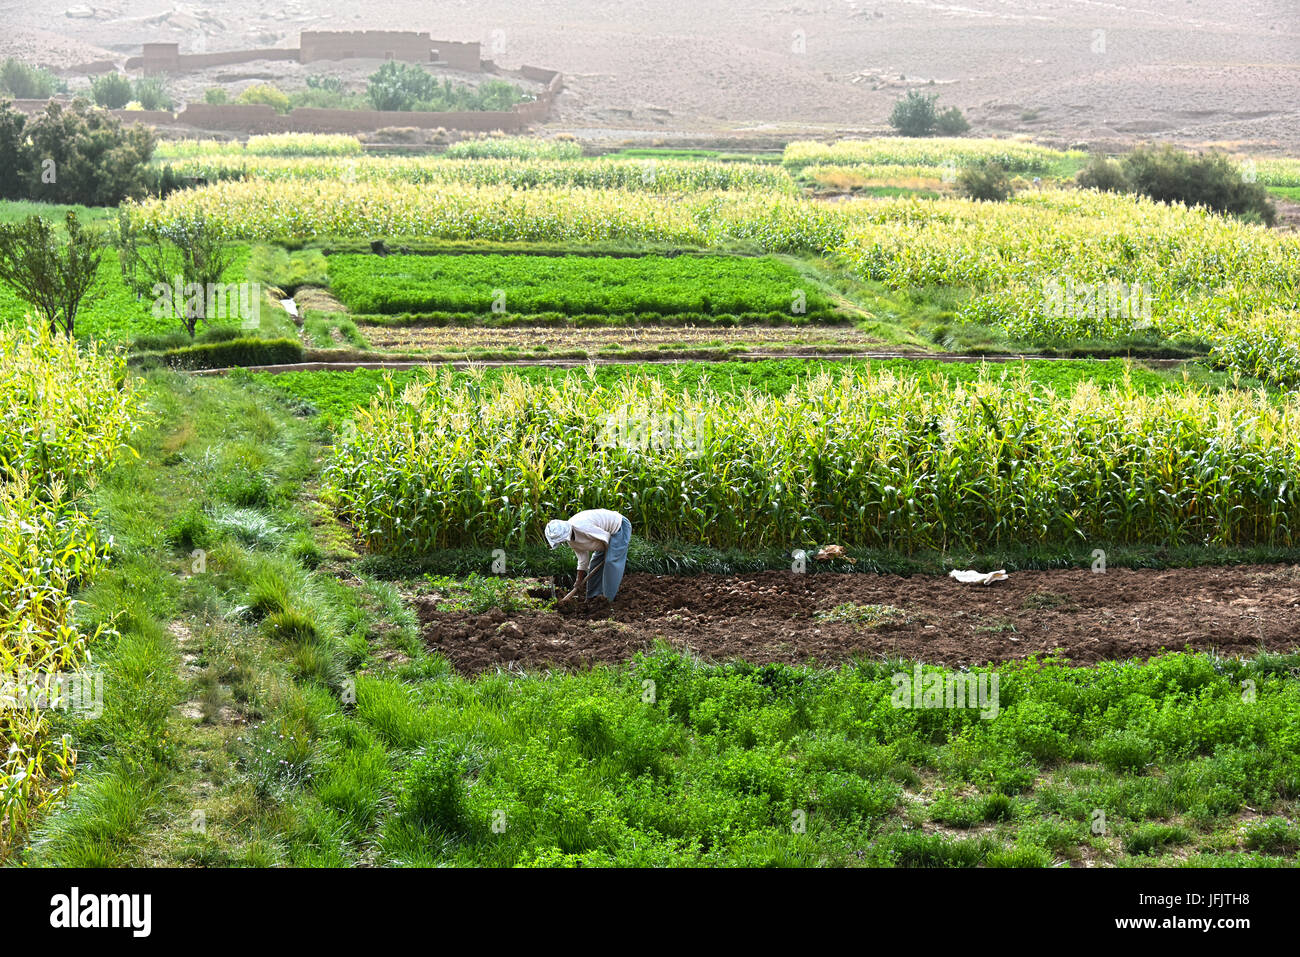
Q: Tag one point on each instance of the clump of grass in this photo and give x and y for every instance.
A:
(1046, 600)
(479, 593)
(1275, 836)
(190, 529)
(871, 616)
(1146, 838)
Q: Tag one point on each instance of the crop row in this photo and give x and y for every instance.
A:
(937, 151)
(270, 144)
(866, 459)
(515, 147)
(1020, 261)
(67, 413)
(642, 175)
(578, 285)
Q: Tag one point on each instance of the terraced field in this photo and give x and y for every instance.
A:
(335, 622)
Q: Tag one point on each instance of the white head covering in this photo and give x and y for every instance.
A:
(557, 532)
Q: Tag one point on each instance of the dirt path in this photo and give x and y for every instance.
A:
(773, 616)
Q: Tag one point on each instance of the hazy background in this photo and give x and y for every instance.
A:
(1197, 71)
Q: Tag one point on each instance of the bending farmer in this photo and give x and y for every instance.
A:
(599, 537)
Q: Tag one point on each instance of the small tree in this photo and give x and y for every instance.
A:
(1103, 174)
(266, 94)
(93, 160)
(985, 181)
(50, 276)
(13, 144)
(25, 82)
(951, 122)
(151, 93)
(111, 91)
(914, 114)
(190, 254)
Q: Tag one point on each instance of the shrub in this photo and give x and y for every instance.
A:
(399, 86)
(951, 122)
(215, 96)
(405, 86)
(914, 114)
(988, 182)
(1211, 180)
(111, 91)
(265, 94)
(25, 82)
(151, 93)
(237, 352)
(1104, 174)
(110, 161)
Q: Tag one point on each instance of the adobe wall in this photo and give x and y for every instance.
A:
(387, 45)
(332, 45)
(163, 61)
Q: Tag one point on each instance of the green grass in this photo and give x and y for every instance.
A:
(15, 210)
(573, 284)
(337, 394)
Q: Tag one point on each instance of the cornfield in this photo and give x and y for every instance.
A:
(68, 410)
(642, 175)
(1198, 273)
(514, 147)
(861, 458)
(271, 144)
(1274, 172)
(1014, 156)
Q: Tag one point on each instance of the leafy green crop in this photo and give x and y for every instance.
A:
(572, 284)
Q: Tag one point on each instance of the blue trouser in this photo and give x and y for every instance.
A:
(606, 571)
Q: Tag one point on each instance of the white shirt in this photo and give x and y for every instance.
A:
(592, 530)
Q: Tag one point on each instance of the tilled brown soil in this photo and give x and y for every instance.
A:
(774, 616)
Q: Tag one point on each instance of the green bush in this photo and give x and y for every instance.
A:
(97, 160)
(237, 352)
(111, 91)
(1104, 174)
(215, 96)
(1211, 180)
(951, 122)
(914, 114)
(1169, 175)
(151, 93)
(406, 86)
(24, 82)
(267, 95)
(987, 182)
